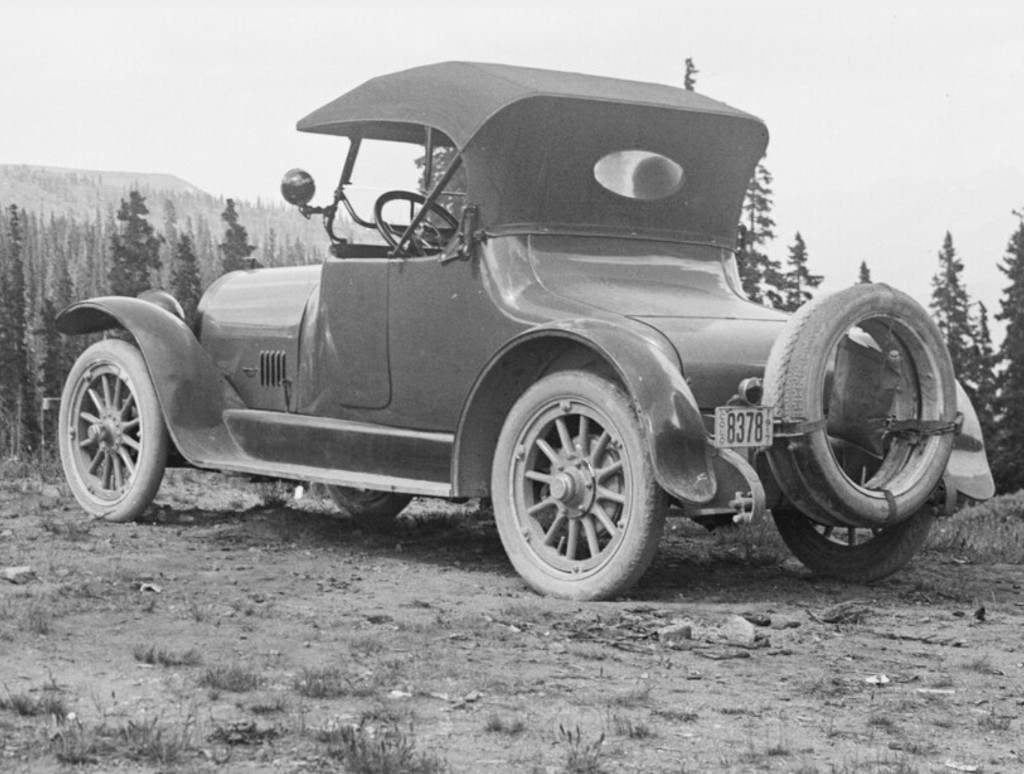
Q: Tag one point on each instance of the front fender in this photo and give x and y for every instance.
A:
(647, 366)
(192, 394)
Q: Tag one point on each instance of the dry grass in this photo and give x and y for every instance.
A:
(990, 532)
(69, 529)
(151, 654)
(581, 757)
(620, 725)
(498, 725)
(269, 705)
(367, 749)
(322, 683)
(157, 741)
(151, 740)
(991, 721)
(49, 703)
(38, 618)
(233, 678)
(982, 665)
(637, 696)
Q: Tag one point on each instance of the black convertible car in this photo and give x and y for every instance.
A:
(545, 311)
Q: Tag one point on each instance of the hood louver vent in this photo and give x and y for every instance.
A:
(272, 369)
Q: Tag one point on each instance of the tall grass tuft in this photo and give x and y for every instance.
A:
(988, 532)
(364, 749)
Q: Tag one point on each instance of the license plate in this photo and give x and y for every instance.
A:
(743, 426)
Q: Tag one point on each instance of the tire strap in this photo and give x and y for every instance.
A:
(914, 430)
(891, 500)
(794, 429)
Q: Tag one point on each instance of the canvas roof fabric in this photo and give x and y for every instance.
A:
(458, 98)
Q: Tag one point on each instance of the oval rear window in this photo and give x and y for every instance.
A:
(639, 174)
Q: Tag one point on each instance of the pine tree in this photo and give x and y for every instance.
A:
(17, 397)
(761, 276)
(296, 253)
(53, 367)
(135, 249)
(170, 241)
(798, 280)
(441, 159)
(984, 377)
(1008, 457)
(864, 275)
(186, 285)
(235, 249)
(270, 257)
(950, 306)
(205, 249)
(690, 78)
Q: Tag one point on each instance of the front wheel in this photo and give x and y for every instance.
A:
(576, 504)
(853, 554)
(112, 437)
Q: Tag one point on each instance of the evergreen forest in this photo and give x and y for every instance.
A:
(68, 235)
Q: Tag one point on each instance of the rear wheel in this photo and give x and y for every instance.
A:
(853, 554)
(575, 499)
(112, 437)
(370, 509)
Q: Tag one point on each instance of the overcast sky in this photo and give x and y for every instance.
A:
(861, 101)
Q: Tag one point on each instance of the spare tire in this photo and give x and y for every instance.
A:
(865, 407)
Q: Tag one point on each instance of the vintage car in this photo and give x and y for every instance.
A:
(545, 313)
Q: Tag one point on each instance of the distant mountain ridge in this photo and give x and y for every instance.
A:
(84, 195)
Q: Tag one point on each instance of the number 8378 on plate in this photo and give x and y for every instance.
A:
(743, 427)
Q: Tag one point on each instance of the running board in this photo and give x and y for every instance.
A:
(334, 451)
(340, 478)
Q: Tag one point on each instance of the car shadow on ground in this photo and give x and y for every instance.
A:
(747, 564)
(743, 565)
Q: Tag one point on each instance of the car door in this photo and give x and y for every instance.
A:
(345, 340)
(443, 327)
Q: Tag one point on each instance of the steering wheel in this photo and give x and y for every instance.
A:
(427, 237)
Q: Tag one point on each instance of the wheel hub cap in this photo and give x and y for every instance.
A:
(107, 432)
(573, 488)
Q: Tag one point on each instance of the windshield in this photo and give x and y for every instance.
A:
(383, 167)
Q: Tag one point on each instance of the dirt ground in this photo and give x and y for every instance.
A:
(225, 635)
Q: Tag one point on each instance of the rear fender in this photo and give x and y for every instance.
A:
(968, 470)
(644, 363)
(192, 394)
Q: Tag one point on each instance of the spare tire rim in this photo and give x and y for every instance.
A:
(914, 398)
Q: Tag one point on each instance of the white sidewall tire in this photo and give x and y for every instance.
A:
(113, 360)
(639, 519)
(805, 466)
